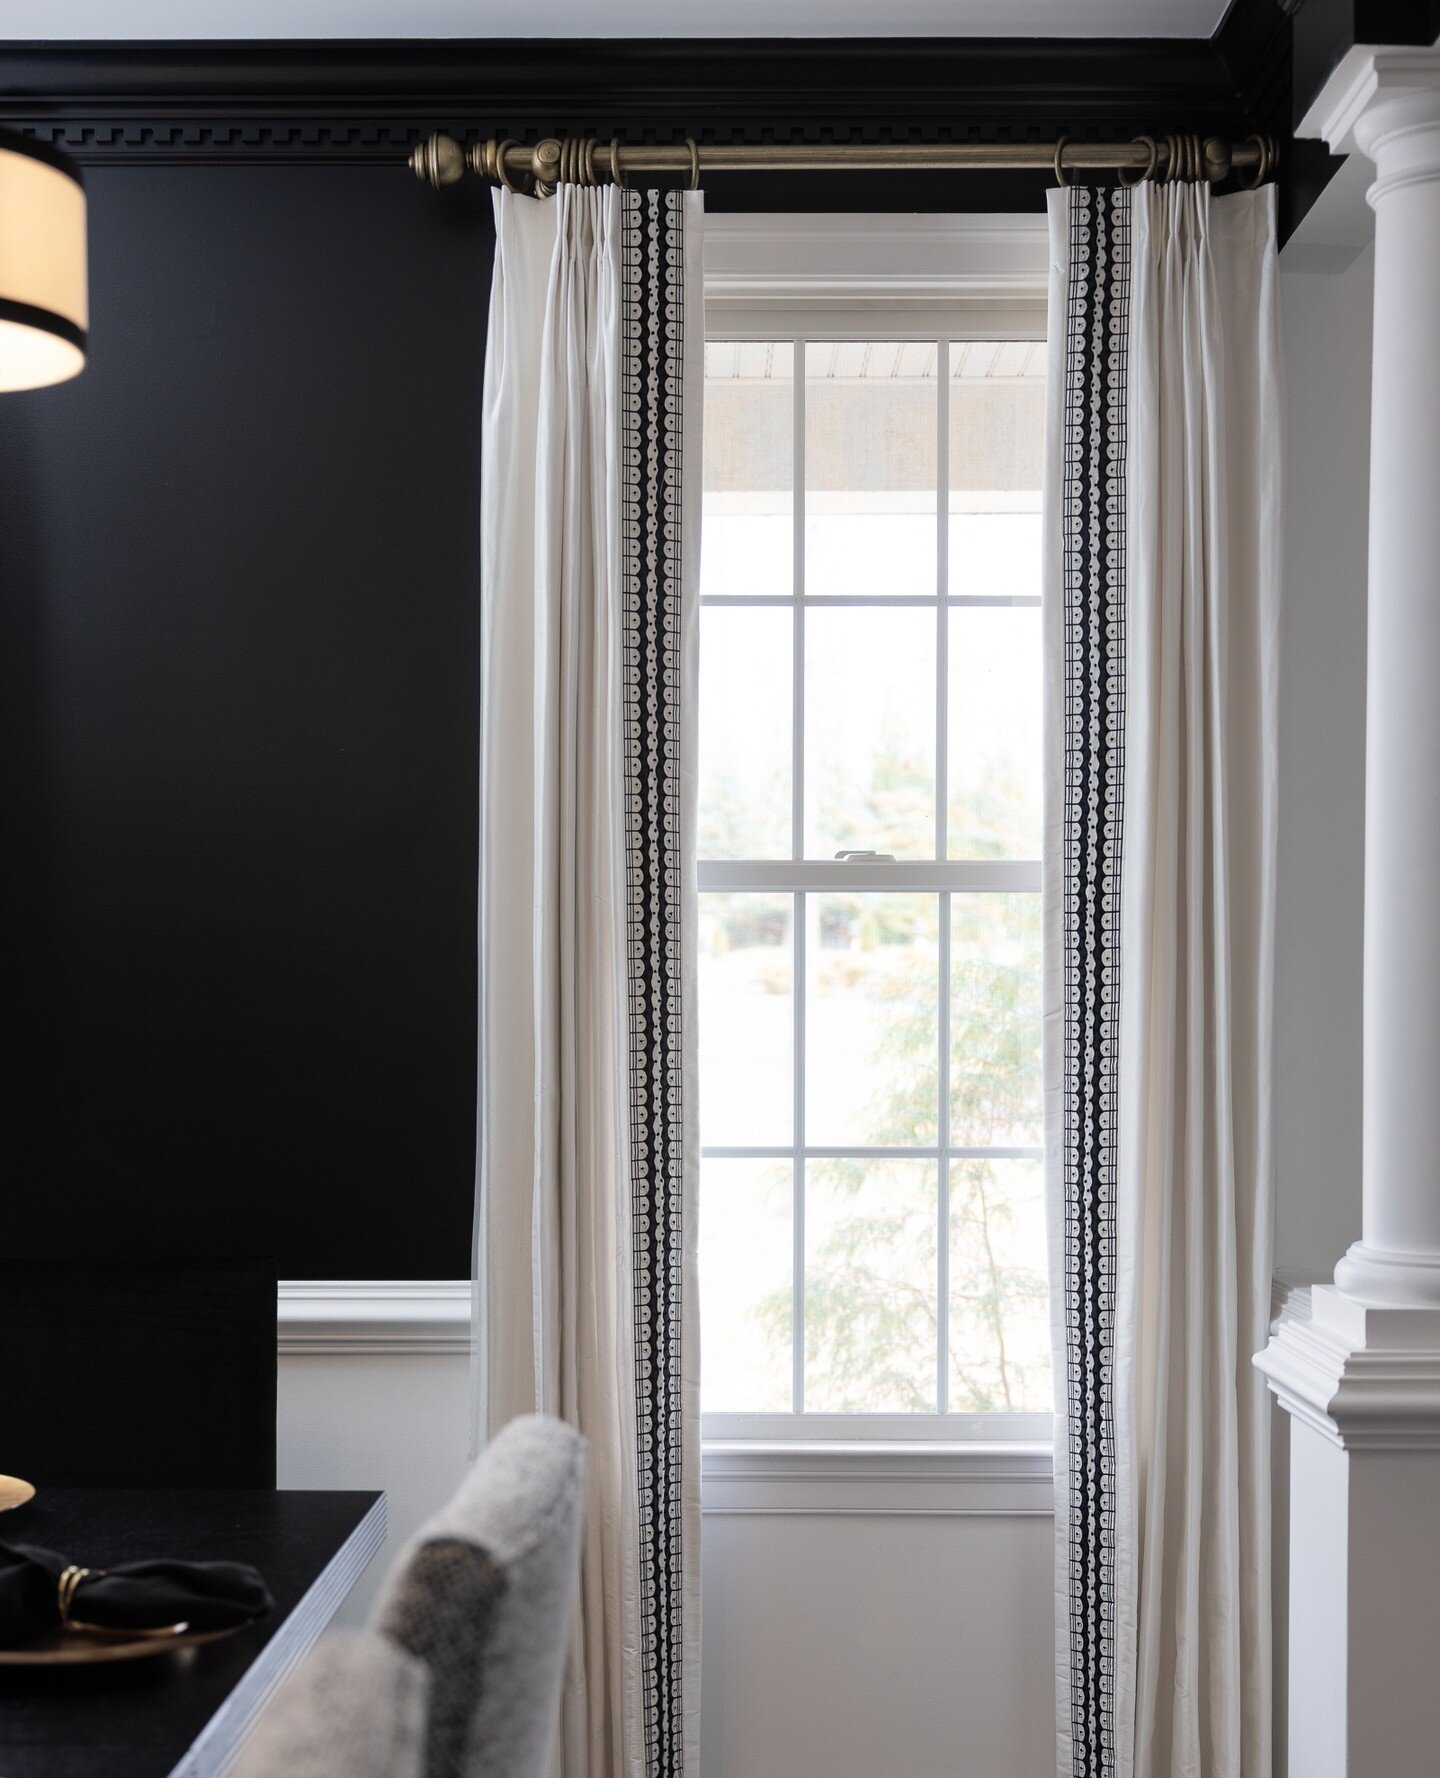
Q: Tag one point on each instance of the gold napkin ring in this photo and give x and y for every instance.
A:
(66, 1587)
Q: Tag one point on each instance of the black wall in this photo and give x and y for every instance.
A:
(238, 593)
(238, 712)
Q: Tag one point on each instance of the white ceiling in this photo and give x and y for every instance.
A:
(95, 19)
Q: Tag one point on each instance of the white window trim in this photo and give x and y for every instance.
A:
(975, 277)
(828, 1478)
(951, 277)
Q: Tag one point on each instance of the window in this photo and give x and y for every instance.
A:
(872, 1223)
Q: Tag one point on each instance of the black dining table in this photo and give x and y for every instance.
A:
(182, 1713)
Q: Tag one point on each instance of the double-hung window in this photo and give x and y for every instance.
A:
(873, 1258)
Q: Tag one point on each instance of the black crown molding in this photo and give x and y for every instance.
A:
(1326, 29)
(369, 102)
(1253, 45)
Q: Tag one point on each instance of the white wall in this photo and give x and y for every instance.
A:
(397, 1421)
(836, 1645)
(872, 1647)
(1326, 327)
(1320, 884)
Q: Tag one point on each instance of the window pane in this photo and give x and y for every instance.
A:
(746, 1020)
(746, 1285)
(869, 731)
(995, 728)
(748, 527)
(999, 1303)
(746, 682)
(995, 1021)
(870, 467)
(997, 438)
(870, 1287)
(995, 554)
(871, 1020)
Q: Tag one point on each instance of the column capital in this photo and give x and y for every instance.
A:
(1365, 1377)
(1373, 93)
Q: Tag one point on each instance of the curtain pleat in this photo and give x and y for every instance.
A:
(586, 1218)
(1162, 531)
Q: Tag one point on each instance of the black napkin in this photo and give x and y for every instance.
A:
(135, 1596)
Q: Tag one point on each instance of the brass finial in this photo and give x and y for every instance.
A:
(439, 160)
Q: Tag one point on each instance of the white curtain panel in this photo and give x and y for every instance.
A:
(586, 1216)
(1162, 545)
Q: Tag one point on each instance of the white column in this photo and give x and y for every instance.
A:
(1394, 113)
(1361, 1376)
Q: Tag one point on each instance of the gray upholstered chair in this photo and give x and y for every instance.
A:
(483, 1597)
(459, 1674)
(355, 1706)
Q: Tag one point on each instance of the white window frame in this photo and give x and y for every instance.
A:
(943, 278)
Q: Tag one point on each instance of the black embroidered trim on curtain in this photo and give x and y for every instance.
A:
(1097, 314)
(653, 333)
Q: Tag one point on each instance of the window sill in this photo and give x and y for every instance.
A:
(890, 1479)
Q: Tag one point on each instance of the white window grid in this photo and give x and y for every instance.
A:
(799, 877)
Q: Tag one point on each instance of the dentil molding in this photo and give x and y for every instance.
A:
(370, 101)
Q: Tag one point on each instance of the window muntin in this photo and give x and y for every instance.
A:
(872, 1230)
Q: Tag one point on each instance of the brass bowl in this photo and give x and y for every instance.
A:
(14, 1492)
(80, 1646)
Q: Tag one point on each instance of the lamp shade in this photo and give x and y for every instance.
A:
(43, 308)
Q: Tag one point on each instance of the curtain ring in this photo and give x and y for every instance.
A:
(1147, 171)
(575, 166)
(1262, 165)
(616, 176)
(1060, 178)
(501, 171)
(694, 163)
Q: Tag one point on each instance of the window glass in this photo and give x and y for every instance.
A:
(872, 1218)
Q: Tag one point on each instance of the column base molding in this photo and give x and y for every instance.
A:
(1390, 1278)
(1364, 1376)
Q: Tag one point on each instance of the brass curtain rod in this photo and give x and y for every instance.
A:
(584, 160)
